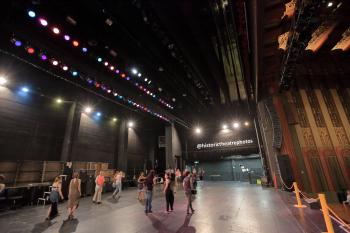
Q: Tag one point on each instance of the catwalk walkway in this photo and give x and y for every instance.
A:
(220, 207)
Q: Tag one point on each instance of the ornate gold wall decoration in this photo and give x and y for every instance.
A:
(344, 97)
(344, 43)
(302, 118)
(282, 40)
(324, 136)
(290, 9)
(320, 35)
(308, 138)
(315, 107)
(331, 108)
(341, 136)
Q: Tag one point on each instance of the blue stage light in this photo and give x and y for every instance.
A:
(25, 89)
(31, 14)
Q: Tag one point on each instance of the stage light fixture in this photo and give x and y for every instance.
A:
(59, 100)
(43, 57)
(31, 14)
(198, 130)
(3, 81)
(75, 43)
(330, 4)
(106, 63)
(111, 67)
(130, 124)
(88, 110)
(246, 123)
(74, 73)
(65, 68)
(224, 126)
(84, 49)
(139, 74)
(54, 62)
(43, 22)
(66, 37)
(98, 114)
(235, 125)
(134, 71)
(18, 43)
(30, 50)
(25, 89)
(56, 30)
(114, 119)
(146, 79)
(117, 71)
(99, 59)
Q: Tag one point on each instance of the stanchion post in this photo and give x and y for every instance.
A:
(275, 181)
(325, 212)
(297, 194)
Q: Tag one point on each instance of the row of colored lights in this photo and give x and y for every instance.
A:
(56, 63)
(107, 64)
(88, 109)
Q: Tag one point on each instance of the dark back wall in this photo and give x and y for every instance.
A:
(96, 140)
(31, 128)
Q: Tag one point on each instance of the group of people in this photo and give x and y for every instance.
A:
(74, 193)
(171, 180)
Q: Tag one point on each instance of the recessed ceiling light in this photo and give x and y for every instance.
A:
(330, 4)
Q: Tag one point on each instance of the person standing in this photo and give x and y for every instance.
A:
(2, 185)
(68, 172)
(169, 194)
(118, 184)
(74, 193)
(140, 186)
(188, 186)
(100, 180)
(55, 194)
(150, 181)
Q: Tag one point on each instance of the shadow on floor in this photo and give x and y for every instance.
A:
(41, 227)
(161, 228)
(185, 228)
(69, 226)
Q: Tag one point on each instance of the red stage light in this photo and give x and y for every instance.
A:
(30, 50)
(75, 43)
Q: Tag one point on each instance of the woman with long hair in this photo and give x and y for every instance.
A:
(169, 193)
(74, 195)
(140, 186)
(55, 194)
